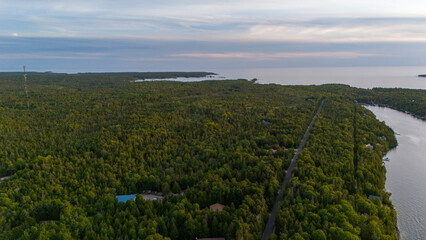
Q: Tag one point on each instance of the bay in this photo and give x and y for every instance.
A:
(362, 77)
(405, 177)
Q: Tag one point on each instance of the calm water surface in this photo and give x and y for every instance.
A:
(184, 79)
(406, 171)
(362, 77)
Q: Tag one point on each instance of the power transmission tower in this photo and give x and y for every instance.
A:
(26, 89)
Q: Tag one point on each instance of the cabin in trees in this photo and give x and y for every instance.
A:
(369, 146)
(272, 150)
(4, 178)
(265, 123)
(217, 207)
(372, 197)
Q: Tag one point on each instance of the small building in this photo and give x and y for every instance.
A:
(4, 178)
(265, 123)
(272, 150)
(149, 197)
(372, 197)
(369, 146)
(152, 197)
(217, 207)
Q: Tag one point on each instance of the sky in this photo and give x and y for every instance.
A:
(188, 35)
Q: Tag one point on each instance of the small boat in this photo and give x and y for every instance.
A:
(386, 159)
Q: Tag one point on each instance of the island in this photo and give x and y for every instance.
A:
(422, 75)
(216, 151)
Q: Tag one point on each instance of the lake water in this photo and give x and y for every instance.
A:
(185, 79)
(406, 171)
(362, 77)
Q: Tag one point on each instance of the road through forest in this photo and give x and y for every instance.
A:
(270, 226)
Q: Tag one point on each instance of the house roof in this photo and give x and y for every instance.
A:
(217, 207)
(372, 197)
(369, 146)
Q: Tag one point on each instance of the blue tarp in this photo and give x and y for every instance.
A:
(124, 198)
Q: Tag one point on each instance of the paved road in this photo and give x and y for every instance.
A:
(270, 226)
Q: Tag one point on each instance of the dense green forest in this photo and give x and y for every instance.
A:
(89, 137)
(336, 172)
(411, 101)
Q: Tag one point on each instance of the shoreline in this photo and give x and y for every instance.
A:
(398, 233)
(403, 210)
(396, 109)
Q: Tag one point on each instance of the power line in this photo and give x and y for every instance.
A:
(26, 89)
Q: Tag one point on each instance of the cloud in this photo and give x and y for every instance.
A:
(220, 20)
(362, 30)
(106, 54)
(272, 56)
(241, 29)
(69, 56)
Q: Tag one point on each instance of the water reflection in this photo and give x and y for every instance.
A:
(406, 177)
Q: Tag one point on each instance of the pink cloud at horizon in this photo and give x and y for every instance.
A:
(279, 55)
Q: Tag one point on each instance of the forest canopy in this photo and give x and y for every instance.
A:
(87, 138)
